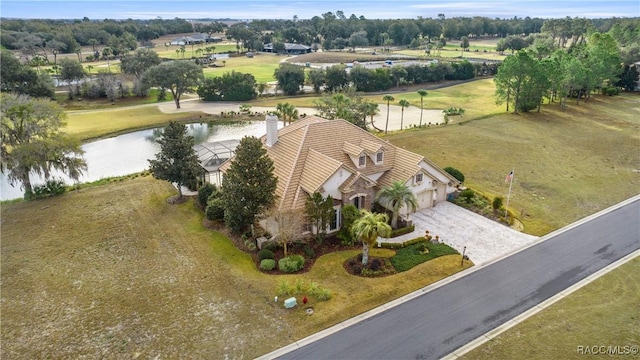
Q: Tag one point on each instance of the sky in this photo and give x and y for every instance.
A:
(279, 9)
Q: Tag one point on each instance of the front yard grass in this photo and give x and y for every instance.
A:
(410, 256)
(602, 313)
(115, 270)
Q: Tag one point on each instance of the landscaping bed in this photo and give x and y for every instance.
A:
(406, 258)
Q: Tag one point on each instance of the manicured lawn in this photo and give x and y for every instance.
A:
(602, 313)
(86, 125)
(475, 97)
(568, 164)
(409, 256)
(115, 270)
(261, 66)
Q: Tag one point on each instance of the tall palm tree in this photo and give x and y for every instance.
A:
(288, 112)
(403, 104)
(422, 94)
(395, 197)
(388, 99)
(371, 109)
(368, 227)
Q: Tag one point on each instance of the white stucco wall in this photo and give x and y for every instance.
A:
(331, 186)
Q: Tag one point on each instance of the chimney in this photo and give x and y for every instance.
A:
(272, 129)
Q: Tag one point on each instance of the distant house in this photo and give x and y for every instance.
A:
(197, 38)
(340, 160)
(289, 48)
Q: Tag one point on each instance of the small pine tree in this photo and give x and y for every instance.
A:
(249, 185)
(177, 161)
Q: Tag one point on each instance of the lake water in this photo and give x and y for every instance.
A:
(129, 153)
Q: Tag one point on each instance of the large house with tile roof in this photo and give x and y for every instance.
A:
(341, 160)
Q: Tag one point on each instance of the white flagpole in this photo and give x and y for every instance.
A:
(511, 177)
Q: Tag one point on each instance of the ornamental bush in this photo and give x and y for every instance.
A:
(215, 209)
(265, 254)
(267, 264)
(205, 192)
(455, 173)
(291, 263)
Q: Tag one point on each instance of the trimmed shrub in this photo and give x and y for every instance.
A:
(391, 245)
(375, 265)
(291, 263)
(215, 209)
(308, 252)
(413, 241)
(205, 192)
(267, 264)
(402, 231)
(455, 173)
(265, 254)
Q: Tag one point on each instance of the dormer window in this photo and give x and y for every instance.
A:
(418, 178)
(362, 161)
(379, 157)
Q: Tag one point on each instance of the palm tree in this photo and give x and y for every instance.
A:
(371, 109)
(368, 227)
(395, 197)
(288, 111)
(403, 104)
(422, 94)
(388, 99)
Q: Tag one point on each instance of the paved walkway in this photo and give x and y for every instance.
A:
(457, 227)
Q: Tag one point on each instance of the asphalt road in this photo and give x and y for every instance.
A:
(438, 322)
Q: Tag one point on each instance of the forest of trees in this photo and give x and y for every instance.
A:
(328, 31)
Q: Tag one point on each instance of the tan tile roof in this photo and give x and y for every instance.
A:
(312, 149)
(370, 146)
(352, 149)
(317, 170)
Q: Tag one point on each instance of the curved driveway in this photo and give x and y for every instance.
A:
(440, 321)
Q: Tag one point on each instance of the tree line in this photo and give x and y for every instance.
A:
(44, 38)
(529, 76)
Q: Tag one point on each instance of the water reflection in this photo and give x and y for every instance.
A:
(129, 153)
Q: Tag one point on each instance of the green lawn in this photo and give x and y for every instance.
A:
(261, 66)
(602, 313)
(568, 164)
(142, 277)
(87, 125)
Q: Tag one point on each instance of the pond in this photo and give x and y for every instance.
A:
(128, 154)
